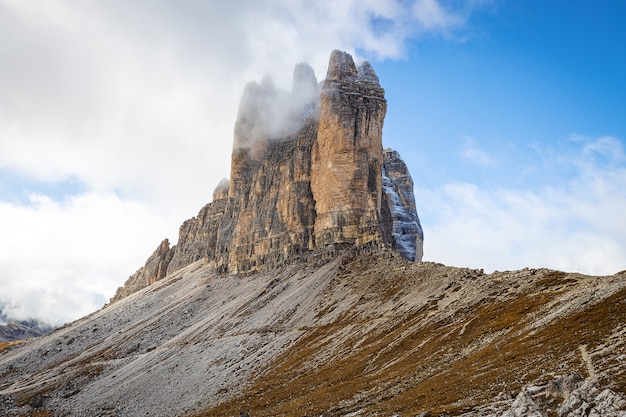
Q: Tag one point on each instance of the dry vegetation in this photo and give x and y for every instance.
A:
(425, 360)
(8, 345)
(369, 334)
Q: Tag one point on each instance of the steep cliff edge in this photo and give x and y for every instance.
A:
(309, 179)
(401, 219)
(154, 270)
(347, 156)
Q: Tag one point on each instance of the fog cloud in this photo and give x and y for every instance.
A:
(268, 113)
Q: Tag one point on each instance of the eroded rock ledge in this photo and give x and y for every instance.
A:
(309, 178)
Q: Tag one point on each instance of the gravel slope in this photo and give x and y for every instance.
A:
(366, 334)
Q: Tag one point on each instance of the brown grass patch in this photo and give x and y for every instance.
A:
(445, 367)
(8, 345)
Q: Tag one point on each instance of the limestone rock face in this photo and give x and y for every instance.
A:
(347, 158)
(308, 179)
(154, 270)
(524, 406)
(197, 237)
(588, 400)
(271, 212)
(399, 215)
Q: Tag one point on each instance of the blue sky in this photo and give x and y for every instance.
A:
(116, 124)
(526, 74)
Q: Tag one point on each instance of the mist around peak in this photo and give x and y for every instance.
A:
(269, 113)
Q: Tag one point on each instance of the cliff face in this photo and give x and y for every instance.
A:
(312, 191)
(308, 180)
(347, 156)
(271, 211)
(400, 220)
(154, 270)
(197, 236)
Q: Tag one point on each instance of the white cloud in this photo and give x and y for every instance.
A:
(136, 101)
(578, 225)
(119, 95)
(63, 259)
(433, 17)
(474, 154)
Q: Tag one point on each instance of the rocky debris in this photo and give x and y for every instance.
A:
(524, 406)
(399, 215)
(365, 335)
(562, 386)
(589, 400)
(565, 396)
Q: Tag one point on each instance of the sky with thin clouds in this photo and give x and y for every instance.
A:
(116, 122)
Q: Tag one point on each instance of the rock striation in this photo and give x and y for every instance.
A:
(154, 269)
(309, 179)
(400, 220)
(347, 156)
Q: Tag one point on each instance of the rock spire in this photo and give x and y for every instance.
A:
(309, 178)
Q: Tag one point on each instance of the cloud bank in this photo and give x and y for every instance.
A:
(573, 225)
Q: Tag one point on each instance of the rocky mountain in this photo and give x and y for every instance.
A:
(295, 292)
(22, 329)
(309, 179)
(12, 330)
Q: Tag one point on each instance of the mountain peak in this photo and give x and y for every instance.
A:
(309, 179)
(340, 66)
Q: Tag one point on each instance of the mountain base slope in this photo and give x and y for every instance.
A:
(363, 334)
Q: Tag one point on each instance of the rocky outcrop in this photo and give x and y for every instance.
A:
(399, 215)
(197, 237)
(314, 191)
(308, 179)
(347, 157)
(565, 396)
(524, 406)
(154, 270)
(589, 400)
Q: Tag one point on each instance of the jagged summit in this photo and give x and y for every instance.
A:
(309, 179)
